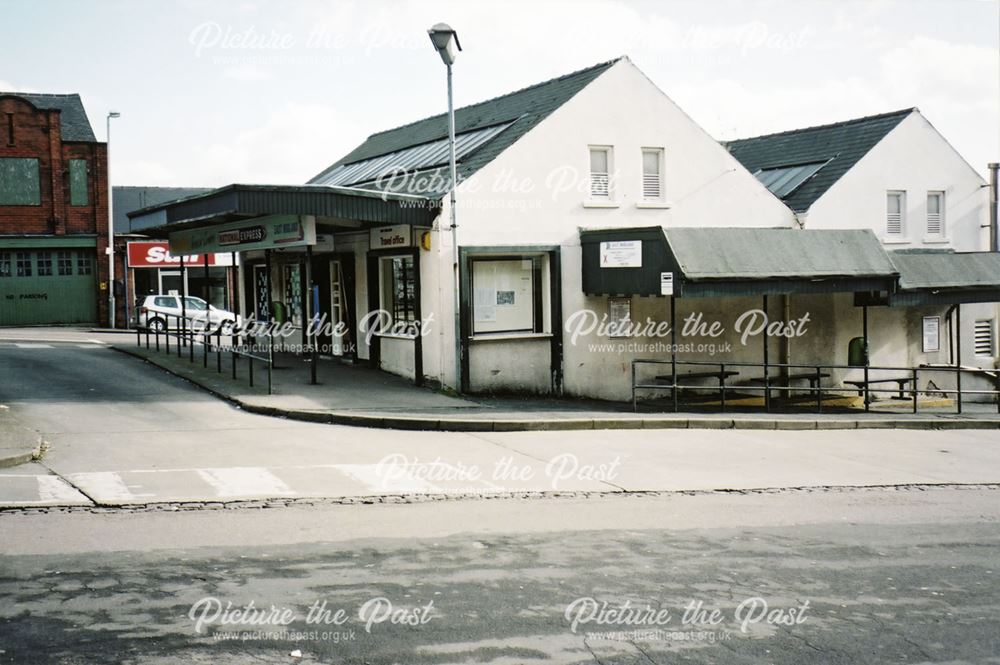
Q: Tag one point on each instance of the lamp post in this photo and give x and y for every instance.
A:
(111, 225)
(445, 41)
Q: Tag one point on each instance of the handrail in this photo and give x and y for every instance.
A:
(866, 389)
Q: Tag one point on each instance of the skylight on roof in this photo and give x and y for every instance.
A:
(416, 158)
(783, 180)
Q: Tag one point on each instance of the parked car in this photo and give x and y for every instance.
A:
(161, 312)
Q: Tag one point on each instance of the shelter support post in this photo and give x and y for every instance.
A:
(184, 285)
(310, 315)
(673, 350)
(767, 378)
(864, 336)
(958, 357)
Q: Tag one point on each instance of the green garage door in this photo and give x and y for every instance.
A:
(47, 286)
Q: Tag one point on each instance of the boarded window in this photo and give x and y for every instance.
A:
(600, 174)
(651, 177)
(19, 182)
(983, 342)
(935, 213)
(895, 211)
(78, 182)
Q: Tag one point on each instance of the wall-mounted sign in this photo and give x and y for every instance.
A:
(391, 237)
(621, 254)
(666, 283)
(932, 334)
(269, 232)
(157, 255)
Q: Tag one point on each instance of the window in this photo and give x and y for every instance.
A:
(78, 182)
(935, 214)
(195, 304)
(4, 264)
(84, 266)
(19, 182)
(600, 173)
(44, 260)
(399, 289)
(983, 337)
(64, 263)
(506, 295)
(23, 260)
(165, 301)
(10, 129)
(895, 219)
(652, 174)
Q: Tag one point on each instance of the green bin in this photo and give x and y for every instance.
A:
(857, 355)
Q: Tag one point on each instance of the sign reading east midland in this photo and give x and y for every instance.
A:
(272, 232)
(621, 254)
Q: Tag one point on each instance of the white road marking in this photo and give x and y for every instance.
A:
(89, 346)
(54, 488)
(244, 481)
(97, 341)
(25, 345)
(399, 480)
(103, 486)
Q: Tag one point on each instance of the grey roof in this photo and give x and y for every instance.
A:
(838, 146)
(73, 121)
(749, 253)
(521, 111)
(128, 199)
(947, 270)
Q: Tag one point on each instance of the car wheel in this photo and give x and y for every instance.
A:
(157, 325)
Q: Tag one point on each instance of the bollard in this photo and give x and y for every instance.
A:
(218, 351)
(166, 334)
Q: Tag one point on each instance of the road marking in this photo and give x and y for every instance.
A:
(54, 488)
(24, 345)
(374, 477)
(103, 486)
(89, 346)
(244, 481)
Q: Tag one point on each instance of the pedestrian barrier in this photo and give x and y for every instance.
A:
(185, 336)
(904, 385)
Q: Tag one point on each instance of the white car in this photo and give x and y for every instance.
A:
(161, 312)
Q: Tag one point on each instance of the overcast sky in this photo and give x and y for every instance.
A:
(272, 92)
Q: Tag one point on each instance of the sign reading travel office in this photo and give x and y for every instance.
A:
(271, 232)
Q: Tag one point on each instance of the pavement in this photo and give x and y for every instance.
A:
(18, 442)
(360, 396)
(124, 433)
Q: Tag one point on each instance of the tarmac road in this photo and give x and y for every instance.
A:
(877, 576)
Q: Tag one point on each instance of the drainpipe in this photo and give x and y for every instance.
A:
(994, 245)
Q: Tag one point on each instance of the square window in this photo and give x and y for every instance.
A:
(64, 263)
(506, 294)
(23, 260)
(84, 265)
(44, 262)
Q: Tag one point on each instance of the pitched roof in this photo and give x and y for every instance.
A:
(487, 128)
(947, 270)
(825, 153)
(73, 121)
(128, 199)
(765, 253)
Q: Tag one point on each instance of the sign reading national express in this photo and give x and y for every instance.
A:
(272, 232)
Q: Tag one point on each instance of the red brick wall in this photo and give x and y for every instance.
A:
(37, 134)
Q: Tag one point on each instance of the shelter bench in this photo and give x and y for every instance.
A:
(900, 381)
(812, 377)
(719, 374)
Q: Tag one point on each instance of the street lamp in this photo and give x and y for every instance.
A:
(111, 224)
(445, 40)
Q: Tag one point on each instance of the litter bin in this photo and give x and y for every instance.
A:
(856, 352)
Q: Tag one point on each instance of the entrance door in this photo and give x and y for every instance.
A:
(171, 283)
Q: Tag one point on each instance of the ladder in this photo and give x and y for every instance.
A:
(338, 304)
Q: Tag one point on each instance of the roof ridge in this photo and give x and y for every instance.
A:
(840, 123)
(591, 68)
(15, 93)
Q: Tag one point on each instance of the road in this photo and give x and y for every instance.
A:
(161, 506)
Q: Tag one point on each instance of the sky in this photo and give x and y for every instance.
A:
(259, 91)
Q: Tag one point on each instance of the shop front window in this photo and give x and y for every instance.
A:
(399, 288)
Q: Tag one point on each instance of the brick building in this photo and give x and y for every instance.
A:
(53, 212)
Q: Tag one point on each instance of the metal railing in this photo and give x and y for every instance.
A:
(723, 371)
(185, 336)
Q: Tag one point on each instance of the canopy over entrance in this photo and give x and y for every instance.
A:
(720, 262)
(331, 207)
(945, 278)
